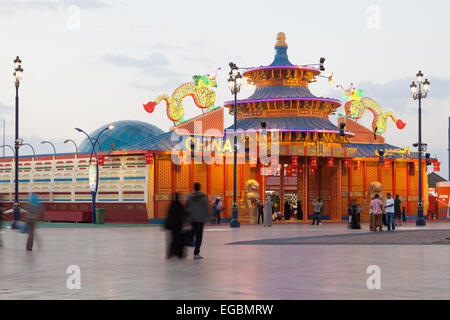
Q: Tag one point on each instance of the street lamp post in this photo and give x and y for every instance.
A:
(234, 83)
(16, 208)
(70, 140)
(27, 144)
(54, 149)
(94, 192)
(419, 92)
(7, 145)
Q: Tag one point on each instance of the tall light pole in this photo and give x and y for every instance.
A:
(17, 76)
(419, 92)
(7, 145)
(70, 140)
(54, 149)
(234, 83)
(94, 190)
(27, 144)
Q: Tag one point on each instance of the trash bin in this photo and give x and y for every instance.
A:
(100, 215)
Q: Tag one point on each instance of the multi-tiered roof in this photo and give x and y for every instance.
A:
(282, 98)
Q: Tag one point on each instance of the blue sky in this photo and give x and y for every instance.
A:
(101, 65)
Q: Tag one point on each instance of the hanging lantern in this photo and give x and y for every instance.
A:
(148, 158)
(313, 162)
(357, 165)
(312, 170)
(436, 166)
(330, 162)
(347, 163)
(387, 165)
(100, 161)
(294, 161)
(300, 170)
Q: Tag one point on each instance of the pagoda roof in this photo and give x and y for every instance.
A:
(302, 124)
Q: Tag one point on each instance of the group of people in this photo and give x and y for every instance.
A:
(196, 214)
(267, 213)
(33, 210)
(392, 211)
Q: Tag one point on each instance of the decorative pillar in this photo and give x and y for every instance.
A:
(339, 192)
(305, 189)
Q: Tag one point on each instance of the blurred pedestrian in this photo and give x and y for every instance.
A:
(287, 210)
(299, 210)
(404, 214)
(268, 212)
(34, 209)
(197, 209)
(397, 210)
(377, 210)
(318, 208)
(174, 223)
(389, 207)
(260, 206)
(356, 215)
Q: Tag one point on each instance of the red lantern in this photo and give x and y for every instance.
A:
(436, 166)
(294, 161)
(387, 165)
(100, 161)
(330, 162)
(148, 158)
(312, 170)
(347, 163)
(356, 165)
(313, 162)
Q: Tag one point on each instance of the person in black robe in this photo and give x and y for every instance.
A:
(287, 211)
(174, 224)
(299, 210)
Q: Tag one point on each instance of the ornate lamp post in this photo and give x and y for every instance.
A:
(27, 144)
(16, 208)
(419, 91)
(234, 82)
(94, 190)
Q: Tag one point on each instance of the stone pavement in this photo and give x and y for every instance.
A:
(129, 263)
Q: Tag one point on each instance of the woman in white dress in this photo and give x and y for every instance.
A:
(268, 212)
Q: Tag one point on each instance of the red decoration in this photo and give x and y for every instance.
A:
(294, 161)
(313, 162)
(387, 165)
(312, 170)
(436, 166)
(100, 161)
(330, 162)
(347, 163)
(357, 165)
(300, 170)
(148, 158)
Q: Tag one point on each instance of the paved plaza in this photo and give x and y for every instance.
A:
(286, 261)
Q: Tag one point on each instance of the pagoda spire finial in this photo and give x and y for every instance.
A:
(281, 40)
(281, 57)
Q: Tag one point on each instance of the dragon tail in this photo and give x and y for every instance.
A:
(150, 106)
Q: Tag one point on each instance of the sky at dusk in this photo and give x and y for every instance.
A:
(90, 62)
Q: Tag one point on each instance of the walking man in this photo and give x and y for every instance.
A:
(34, 209)
(260, 211)
(268, 213)
(318, 206)
(377, 210)
(390, 212)
(197, 209)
